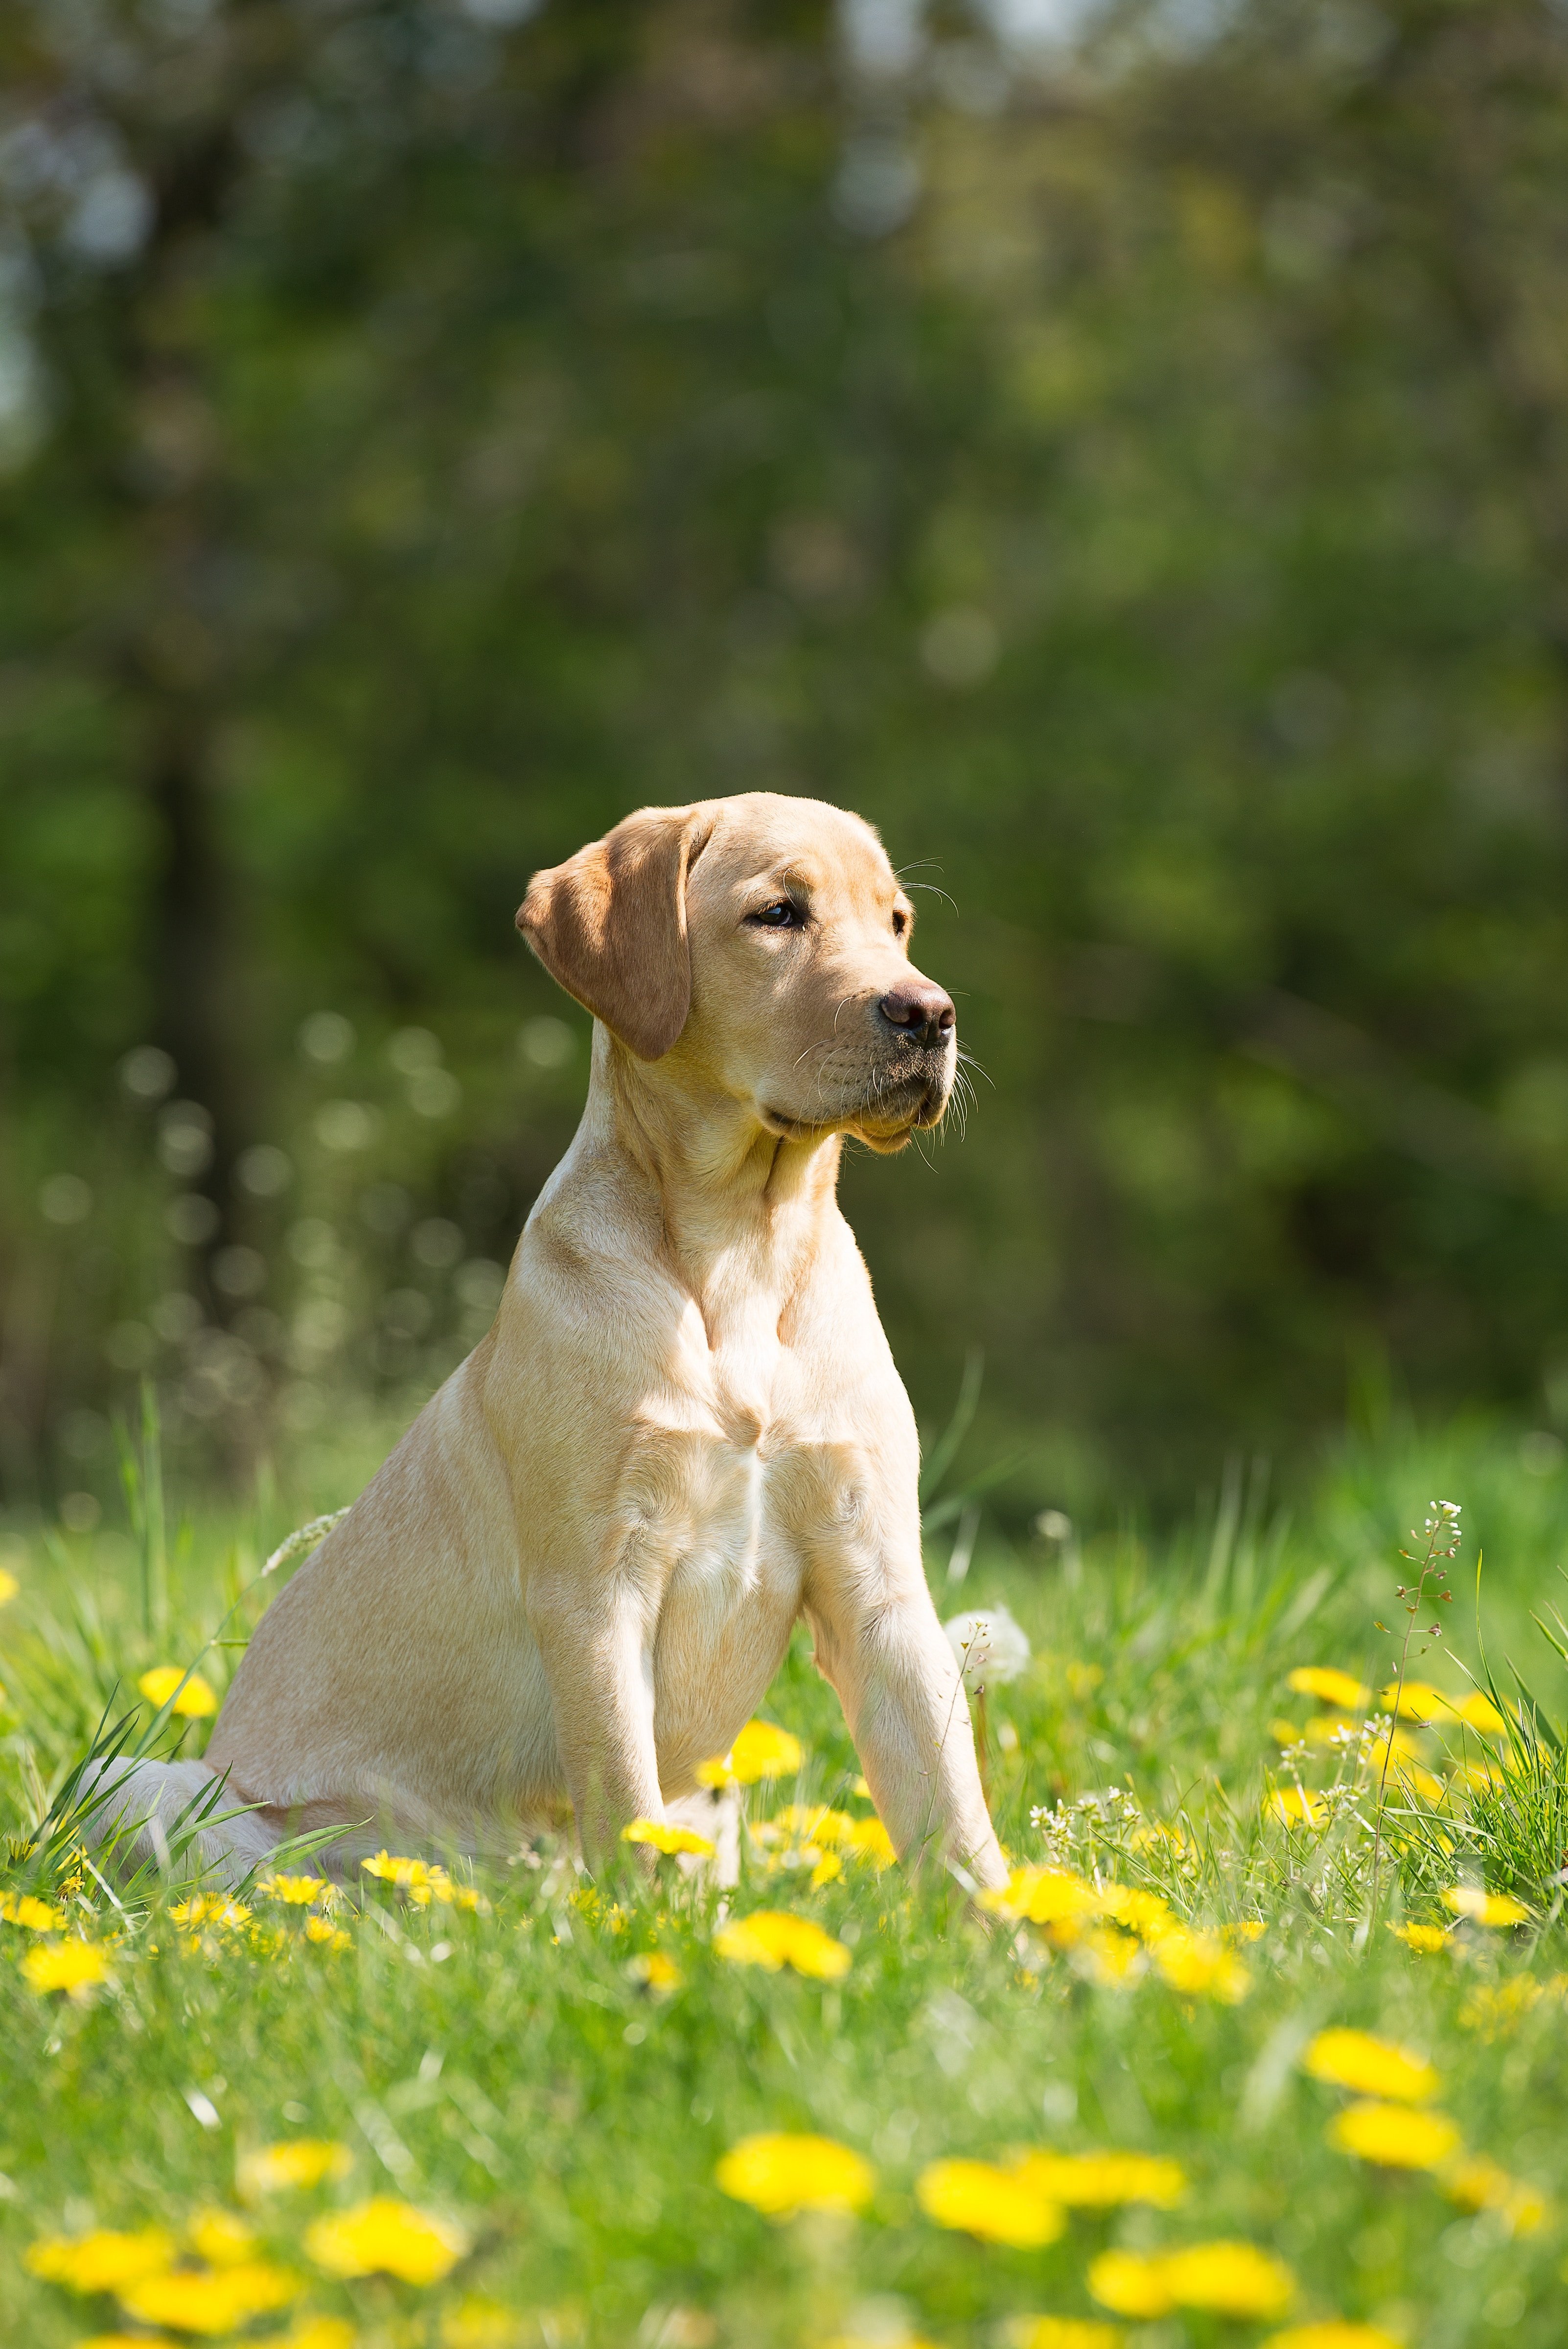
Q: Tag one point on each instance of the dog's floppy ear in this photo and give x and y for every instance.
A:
(609, 925)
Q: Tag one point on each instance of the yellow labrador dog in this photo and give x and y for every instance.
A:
(575, 1577)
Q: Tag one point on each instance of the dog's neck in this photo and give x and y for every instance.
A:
(738, 1203)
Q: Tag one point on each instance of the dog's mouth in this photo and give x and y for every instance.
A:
(909, 1100)
(793, 1129)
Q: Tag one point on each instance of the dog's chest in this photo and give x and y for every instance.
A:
(729, 1466)
(747, 1478)
(732, 1589)
(747, 1457)
(729, 1555)
(737, 1466)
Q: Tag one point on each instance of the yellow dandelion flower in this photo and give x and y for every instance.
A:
(392, 1868)
(195, 1701)
(222, 2238)
(1106, 1958)
(299, 1892)
(316, 2333)
(1372, 2067)
(75, 1966)
(1201, 1966)
(1229, 2278)
(423, 1881)
(868, 1840)
(997, 2206)
(1427, 1940)
(1329, 1686)
(102, 2261)
(807, 1822)
(9, 1587)
(1150, 1833)
(297, 2161)
(1244, 1929)
(1232, 2279)
(1098, 2180)
(1477, 1712)
(209, 1908)
(773, 1938)
(1495, 2009)
(25, 1908)
(1044, 1896)
(829, 1829)
(126, 2341)
(330, 1936)
(1421, 1781)
(1394, 2138)
(210, 2300)
(761, 1751)
(1334, 2333)
(1397, 1746)
(656, 1971)
(861, 1788)
(1062, 2333)
(1284, 1732)
(779, 2174)
(1143, 1913)
(1324, 1727)
(1133, 2284)
(779, 1849)
(386, 2237)
(1295, 1806)
(660, 1836)
(1478, 2183)
(1417, 1700)
(1468, 1901)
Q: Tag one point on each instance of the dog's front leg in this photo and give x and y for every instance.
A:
(878, 1642)
(597, 1647)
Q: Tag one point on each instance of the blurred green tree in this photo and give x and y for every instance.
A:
(1133, 474)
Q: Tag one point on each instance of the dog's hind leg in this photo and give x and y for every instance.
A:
(146, 1811)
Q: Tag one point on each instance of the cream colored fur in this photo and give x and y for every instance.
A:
(575, 1576)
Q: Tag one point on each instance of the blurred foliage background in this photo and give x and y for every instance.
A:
(1121, 452)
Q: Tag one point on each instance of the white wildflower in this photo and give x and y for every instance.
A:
(990, 1646)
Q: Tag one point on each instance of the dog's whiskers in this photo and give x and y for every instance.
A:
(932, 890)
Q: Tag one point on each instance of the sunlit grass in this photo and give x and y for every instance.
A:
(1186, 2080)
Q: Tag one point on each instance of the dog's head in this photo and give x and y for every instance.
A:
(762, 943)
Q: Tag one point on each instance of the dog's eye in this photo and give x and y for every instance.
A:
(781, 915)
(900, 922)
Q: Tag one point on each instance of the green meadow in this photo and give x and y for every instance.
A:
(1120, 449)
(531, 2108)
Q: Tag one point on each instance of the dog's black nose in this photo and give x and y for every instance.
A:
(920, 1011)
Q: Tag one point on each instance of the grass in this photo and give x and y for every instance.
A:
(508, 2069)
